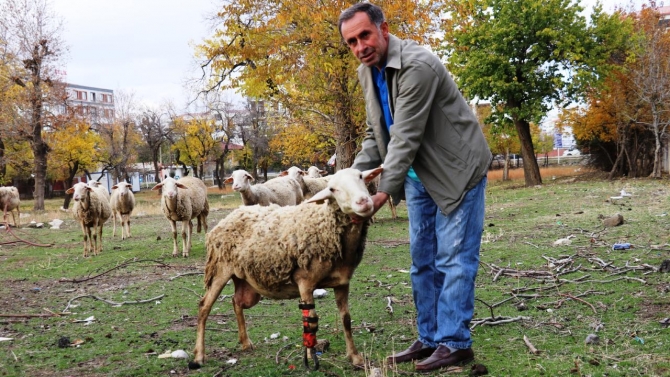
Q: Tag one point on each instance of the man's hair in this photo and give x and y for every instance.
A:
(374, 12)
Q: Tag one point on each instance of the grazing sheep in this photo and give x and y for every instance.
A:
(10, 201)
(282, 191)
(183, 200)
(122, 203)
(314, 172)
(287, 252)
(92, 210)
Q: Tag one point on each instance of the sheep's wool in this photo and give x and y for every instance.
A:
(266, 244)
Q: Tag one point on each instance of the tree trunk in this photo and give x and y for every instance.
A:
(347, 135)
(531, 171)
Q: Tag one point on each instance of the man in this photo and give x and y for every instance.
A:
(428, 139)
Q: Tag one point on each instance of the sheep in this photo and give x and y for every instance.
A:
(372, 189)
(314, 172)
(10, 201)
(310, 186)
(287, 252)
(102, 190)
(281, 191)
(122, 202)
(92, 210)
(183, 200)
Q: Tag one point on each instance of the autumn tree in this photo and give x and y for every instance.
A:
(226, 116)
(650, 77)
(291, 52)
(33, 35)
(120, 138)
(75, 149)
(524, 55)
(194, 140)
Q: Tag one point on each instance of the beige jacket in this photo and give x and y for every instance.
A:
(434, 129)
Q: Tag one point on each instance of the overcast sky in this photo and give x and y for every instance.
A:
(142, 46)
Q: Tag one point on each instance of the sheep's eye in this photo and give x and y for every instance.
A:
(360, 176)
(332, 189)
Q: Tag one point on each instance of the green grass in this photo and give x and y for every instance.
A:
(521, 227)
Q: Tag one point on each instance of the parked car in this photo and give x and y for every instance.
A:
(572, 152)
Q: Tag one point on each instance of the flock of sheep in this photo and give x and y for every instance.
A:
(292, 235)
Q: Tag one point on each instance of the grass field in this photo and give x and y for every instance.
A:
(144, 302)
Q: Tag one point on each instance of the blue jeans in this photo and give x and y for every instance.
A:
(445, 259)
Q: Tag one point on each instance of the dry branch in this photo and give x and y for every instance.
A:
(187, 274)
(69, 303)
(496, 321)
(530, 346)
(124, 264)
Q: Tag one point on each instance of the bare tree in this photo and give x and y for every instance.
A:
(226, 115)
(651, 82)
(120, 136)
(154, 131)
(33, 35)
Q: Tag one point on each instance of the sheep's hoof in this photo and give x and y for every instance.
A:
(193, 365)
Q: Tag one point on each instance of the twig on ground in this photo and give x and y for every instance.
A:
(192, 291)
(112, 302)
(580, 300)
(496, 321)
(530, 346)
(281, 349)
(124, 264)
(187, 274)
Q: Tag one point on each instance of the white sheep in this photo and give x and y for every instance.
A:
(314, 172)
(122, 202)
(183, 200)
(10, 201)
(102, 190)
(287, 252)
(92, 210)
(310, 186)
(281, 190)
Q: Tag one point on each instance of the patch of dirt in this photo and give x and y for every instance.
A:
(390, 243)
(654, 310)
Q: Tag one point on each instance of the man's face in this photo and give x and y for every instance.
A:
(368, 43)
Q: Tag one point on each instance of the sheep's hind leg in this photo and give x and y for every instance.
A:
(186, 231)
(205, 306)
(245, 297)
(342, 300)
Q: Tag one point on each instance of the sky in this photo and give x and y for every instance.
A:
(144, 47)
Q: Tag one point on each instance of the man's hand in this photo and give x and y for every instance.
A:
(378, 201)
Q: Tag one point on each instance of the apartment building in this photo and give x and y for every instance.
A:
(95, 103)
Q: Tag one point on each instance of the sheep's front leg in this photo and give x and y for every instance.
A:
(186, 230)
(114, 229)
(98, 229)
(342, 300)
(245, 297)
(205, 306)
(174, 237)
(310, 323)
(87, 235)
(127, 221)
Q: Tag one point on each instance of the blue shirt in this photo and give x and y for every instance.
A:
(379, 78)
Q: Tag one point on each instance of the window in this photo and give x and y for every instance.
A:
(106, 98)
(81, 95)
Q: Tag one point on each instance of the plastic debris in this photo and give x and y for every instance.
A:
(639, 340)
(3, 339)
(320, 293)
(231, 361)
(621, 246)
(179, 354)
(592, 339)
(86, 321)
(275, 335)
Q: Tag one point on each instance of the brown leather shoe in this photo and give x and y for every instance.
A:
(416, 351)
(442, 358)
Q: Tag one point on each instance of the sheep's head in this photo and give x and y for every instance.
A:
(240, 179)
(79, 191)
(122, 187)
(170, 188)
(348, 188)
(294, 172)
(314, 172)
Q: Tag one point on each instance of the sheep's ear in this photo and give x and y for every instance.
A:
(320, 196)
(371, 174)
(283, 174)
(70, 191)
(115, 187)
(181, 186)
(251, 177)
(228, 180)
(323, 172)
(157, 186)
